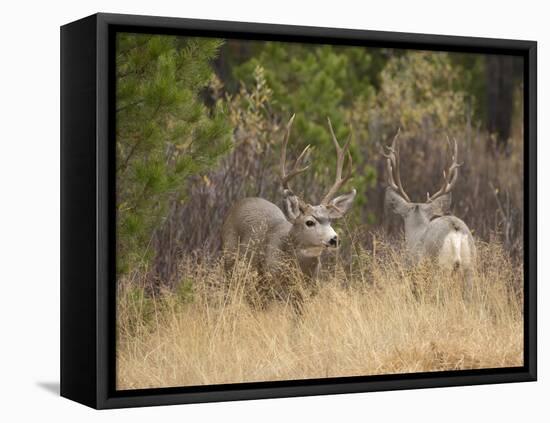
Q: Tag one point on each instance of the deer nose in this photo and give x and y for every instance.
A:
(334, 241)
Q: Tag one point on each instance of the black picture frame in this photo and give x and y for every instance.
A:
(87, 211)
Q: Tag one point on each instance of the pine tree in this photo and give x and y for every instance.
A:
(164, 132)
(316, 82)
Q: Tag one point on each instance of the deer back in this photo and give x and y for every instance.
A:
(251, 223)
(446, 239)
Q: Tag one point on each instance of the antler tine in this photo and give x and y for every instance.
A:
(341, 154)
(450, 175)
(296, 169)
(392, 163)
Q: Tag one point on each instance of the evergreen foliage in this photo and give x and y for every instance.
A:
(316, 82)
(164, 131)
(421, 90)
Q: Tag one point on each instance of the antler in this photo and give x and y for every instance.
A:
(450, 175)
(392, 163)
(341, 153)
(296, 169)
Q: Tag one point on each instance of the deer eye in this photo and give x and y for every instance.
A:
(310, 223)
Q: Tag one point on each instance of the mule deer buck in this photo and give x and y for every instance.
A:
(300, 231)
(430, 232)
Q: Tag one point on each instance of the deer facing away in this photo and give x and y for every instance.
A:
(300, 231)
(430, 233)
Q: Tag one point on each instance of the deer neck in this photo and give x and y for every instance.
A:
(309, 265)
(309, 260)
(415, 227)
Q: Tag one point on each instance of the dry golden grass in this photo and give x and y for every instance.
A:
(378, 316)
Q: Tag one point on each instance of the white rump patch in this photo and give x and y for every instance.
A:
(455, 252)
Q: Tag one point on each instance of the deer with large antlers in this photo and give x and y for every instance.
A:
(300, 231)
(430, 232)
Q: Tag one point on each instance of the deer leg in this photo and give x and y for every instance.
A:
(229, 251)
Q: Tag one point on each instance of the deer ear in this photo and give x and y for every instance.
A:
(291, 206)
(339, 206)
(396, 203)
(441, 205)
